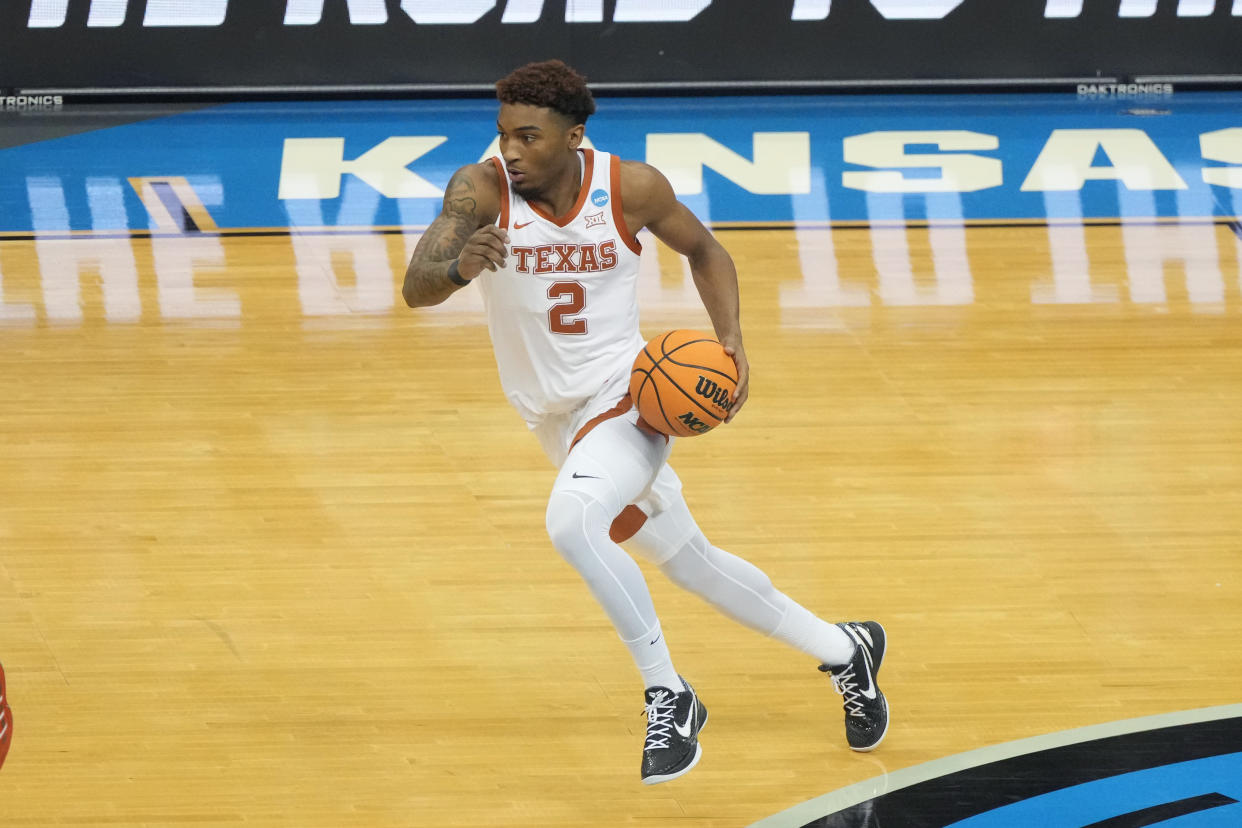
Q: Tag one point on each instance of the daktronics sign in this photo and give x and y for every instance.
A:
(460, 45)
(46, 14)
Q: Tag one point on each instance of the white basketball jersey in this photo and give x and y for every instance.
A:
(563, 311)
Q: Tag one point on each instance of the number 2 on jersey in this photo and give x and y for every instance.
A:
(560, 315)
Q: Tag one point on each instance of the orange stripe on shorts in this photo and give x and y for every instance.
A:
(625, 405)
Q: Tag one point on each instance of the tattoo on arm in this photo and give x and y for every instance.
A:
(458, 220)
(459, 197)
(443, 240)
(427, 274)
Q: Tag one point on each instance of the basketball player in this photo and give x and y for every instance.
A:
(547, 230)
(6, 721)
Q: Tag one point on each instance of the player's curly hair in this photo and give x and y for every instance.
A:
(551, 84)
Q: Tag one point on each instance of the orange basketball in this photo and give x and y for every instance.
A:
(683, 383)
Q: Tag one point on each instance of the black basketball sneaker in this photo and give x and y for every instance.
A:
(673, 724)
(866, 709)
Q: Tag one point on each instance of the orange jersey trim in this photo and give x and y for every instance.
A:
(587, 171)
(503, 221)
(618, 212)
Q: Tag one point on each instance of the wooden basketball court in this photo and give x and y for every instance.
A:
(273, 546)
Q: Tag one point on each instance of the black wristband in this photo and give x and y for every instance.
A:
(455, 276)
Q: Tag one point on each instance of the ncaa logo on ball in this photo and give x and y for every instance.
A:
(694, 423)
(599, 198)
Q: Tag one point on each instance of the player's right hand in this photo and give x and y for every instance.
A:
(485, 249)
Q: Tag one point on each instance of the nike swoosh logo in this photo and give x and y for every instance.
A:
(523, 224)
(580, 476)
(683, 729)
(870, 691)
(654, 640)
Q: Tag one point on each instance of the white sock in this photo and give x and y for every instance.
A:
(803, 630)
(650, 652)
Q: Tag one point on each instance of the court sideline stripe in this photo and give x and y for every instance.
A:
(847, 797)
(1232, 222)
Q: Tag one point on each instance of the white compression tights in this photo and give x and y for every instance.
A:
(609, 469)
(736, 587)
(612, 467)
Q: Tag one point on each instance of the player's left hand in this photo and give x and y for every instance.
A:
(735, 350)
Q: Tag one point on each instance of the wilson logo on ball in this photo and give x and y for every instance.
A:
(712, 391)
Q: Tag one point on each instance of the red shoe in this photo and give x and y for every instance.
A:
(6, 721)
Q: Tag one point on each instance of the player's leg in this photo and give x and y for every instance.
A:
(609, 468)
(850, 652)
(674, 542)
